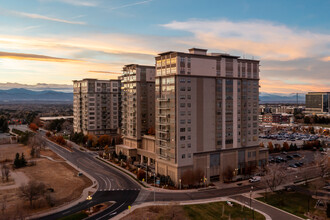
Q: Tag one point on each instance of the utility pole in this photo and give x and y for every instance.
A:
(154, 187)
(147, 174)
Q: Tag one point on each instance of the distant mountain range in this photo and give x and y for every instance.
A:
(281, 98)
(11, 95)
(38, 87)
(20, 94)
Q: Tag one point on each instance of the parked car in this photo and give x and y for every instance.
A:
(298, 164)
(296, 155)
(289, 157)
(255, 179)
(293, 166)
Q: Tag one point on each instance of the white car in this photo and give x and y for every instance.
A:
(255, 179)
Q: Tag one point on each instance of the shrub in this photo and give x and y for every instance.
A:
(141, 174)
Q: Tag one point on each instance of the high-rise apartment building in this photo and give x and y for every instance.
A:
(206, 114)
(318, 102)
(96, 106)
(138, 103)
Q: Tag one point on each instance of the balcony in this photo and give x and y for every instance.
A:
(162, 99)
(164, 107)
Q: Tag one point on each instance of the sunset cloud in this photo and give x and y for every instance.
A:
(262, 39)
(107, 72)
(291, 60)
(36, 57)
(42, 17)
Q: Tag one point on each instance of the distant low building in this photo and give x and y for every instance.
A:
(317, 102)
(276, 118)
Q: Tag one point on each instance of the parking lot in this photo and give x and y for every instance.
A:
(303, 158)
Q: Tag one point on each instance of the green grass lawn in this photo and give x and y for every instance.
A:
(214, 211)
(293, 202)
(76, 216)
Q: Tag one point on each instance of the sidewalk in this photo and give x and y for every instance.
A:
(19, 178)
(202, 201)
(149, 187)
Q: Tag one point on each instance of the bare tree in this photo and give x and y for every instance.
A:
(5, 171)
(3, 204)
(228, 174)
(36, 143)
(192, 177)
(275, 177)
(322, 162)
(32, 191)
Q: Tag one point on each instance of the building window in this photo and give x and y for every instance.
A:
(189, 155)
(189, 145)
(182, 129)
(182, 80)
(182, 138)
(183, 156)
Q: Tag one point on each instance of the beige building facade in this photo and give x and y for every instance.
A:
(138, 107)
(96, 106)
(206, 114)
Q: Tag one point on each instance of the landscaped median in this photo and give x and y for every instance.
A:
(215, 210)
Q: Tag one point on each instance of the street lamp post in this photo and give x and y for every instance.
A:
(154, 187)
(180, 183)
(251, 202)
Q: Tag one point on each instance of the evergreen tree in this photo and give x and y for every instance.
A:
(17, 161)
(5, 127)
(114, 154)
(23, 161)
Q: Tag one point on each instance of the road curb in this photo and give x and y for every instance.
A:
(181, 203)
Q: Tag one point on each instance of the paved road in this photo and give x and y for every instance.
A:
(112, 184)
(116, 186)
(271, 211)
(122, 198)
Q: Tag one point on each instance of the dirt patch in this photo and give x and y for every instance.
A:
(59, 176)
(8, 151)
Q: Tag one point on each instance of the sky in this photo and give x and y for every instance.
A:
(57, 41)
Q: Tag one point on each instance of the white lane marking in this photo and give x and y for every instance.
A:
(106, 183)
(109, 183)
(111, 213)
